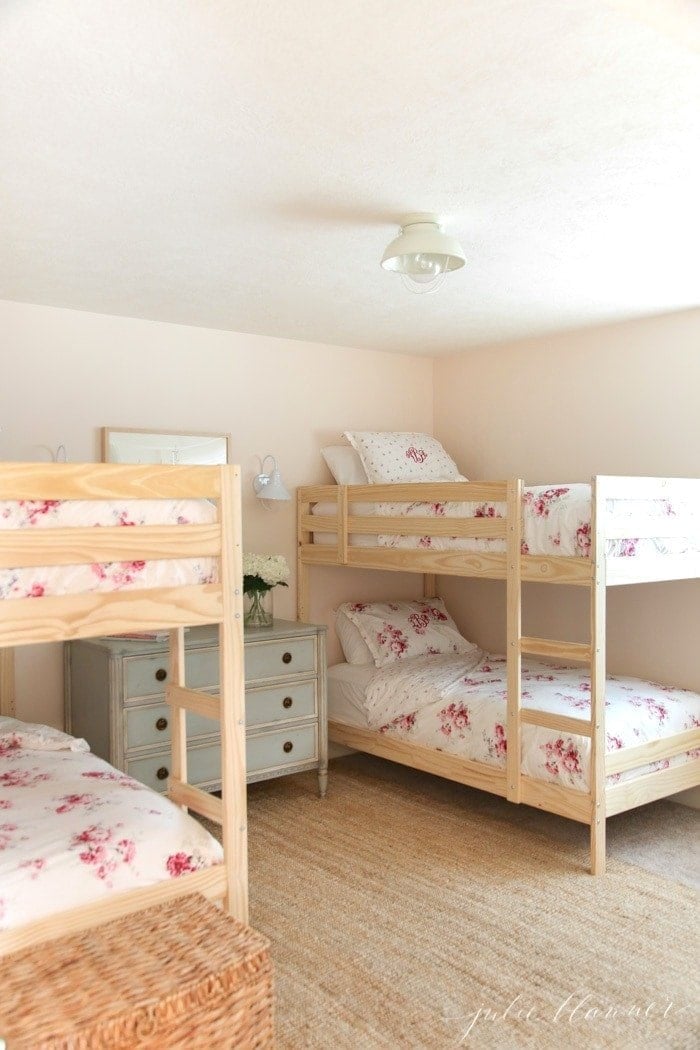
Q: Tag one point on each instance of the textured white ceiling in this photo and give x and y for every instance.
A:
(241, 165)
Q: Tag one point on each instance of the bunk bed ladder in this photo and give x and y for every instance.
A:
(591, 653)
(228, 708)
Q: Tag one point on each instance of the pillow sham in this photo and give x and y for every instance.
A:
(344, 464)
(355, 648)
(401, 630)
(394, 457)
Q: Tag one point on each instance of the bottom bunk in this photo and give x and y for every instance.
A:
(74, 831)
(446, 714)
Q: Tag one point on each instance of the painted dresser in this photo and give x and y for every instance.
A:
(114, 696)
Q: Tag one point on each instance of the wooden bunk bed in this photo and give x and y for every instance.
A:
(25, 620)
(594, 573)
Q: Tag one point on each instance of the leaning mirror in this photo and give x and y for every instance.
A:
(164, 446)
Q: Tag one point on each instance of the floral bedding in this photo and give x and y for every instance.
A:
(113, 576)
(74, 830)
(556, 521)
(457, 704)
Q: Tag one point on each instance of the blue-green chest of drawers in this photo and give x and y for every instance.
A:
(115, 699)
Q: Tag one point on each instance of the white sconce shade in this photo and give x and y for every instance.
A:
(269, 486)
(422, 253)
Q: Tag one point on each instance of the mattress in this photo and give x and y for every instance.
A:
(74, 830)
(556, 522)
(457, 704)
(37, 582)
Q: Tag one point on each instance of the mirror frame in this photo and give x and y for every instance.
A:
(105, 433)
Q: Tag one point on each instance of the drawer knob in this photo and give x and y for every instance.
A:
(287, 702)
(161, 674)
(286, 658)
(162, 724)
(162, 773)
(287, 746)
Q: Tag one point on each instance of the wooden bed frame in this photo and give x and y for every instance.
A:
(594, 574)
(53, 619)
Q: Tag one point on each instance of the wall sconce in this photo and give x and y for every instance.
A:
(269, 485)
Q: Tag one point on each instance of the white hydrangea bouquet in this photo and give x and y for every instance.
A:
(262, 572)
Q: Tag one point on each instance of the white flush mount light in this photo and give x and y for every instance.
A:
(423, 253)
(268, 483)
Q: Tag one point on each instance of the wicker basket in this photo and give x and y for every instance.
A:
(182, 974)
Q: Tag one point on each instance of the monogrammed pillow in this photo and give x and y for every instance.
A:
(390, 457)
(400, 630)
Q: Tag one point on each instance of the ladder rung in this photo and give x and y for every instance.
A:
(561, 650)
(561, 723)
(193, 700)
(194, 798)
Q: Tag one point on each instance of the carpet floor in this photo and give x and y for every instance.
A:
(408, 912)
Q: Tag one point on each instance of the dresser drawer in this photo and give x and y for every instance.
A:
(150, 724)
(148, 675)
(276, 658)
(281, 702)
(203, 767)
(271, 750)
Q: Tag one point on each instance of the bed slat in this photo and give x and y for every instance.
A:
(25, 548)
(653, 751)
(61, 618)
(90, 481)
(210, 882)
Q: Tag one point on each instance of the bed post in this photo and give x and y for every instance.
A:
(513, 636)
(231, 657)
(429, 585)
(7, 681)
(598, 603)
(178, 714)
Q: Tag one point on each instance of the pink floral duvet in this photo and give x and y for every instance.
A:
(114, 576)
(556, 521)
(74, 830)
(457, 704)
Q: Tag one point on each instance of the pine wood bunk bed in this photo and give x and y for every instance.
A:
(174, 607)
(594, 573)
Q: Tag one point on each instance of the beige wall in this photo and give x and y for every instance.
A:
(623, 399)
(67, 373)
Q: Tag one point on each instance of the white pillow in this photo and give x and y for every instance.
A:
(30, 736)
(392, 457)
(355, 648)
(344, 464)
(400, 630)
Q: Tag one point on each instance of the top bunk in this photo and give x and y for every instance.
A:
(69, 568)
(617, 530)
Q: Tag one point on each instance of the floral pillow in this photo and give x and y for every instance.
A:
(395, 457)
(400, 630)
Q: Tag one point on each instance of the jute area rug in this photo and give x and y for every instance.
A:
(400, 917)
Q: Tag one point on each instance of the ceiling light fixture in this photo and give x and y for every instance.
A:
(423, 253)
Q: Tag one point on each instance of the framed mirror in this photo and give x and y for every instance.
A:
(129, 445)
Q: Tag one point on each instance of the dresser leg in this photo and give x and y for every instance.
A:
(323, 781)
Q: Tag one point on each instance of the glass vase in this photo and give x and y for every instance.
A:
(257, 608)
